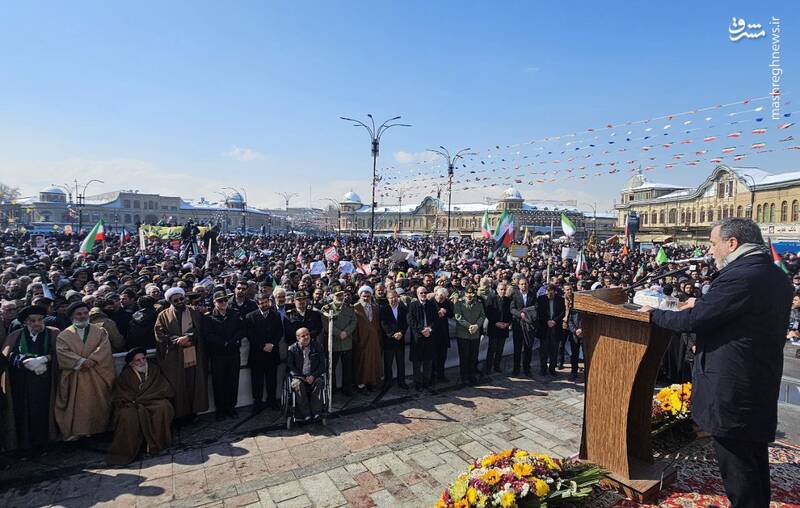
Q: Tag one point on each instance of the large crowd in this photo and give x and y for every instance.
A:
(292, 304)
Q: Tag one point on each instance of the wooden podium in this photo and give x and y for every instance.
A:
(622, 353)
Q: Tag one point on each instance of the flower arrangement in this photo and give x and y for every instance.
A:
(672, 404)
(517, 478)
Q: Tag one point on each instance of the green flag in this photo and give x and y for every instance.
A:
(661, 257)
(567, 226)
(96, 234)
(698, 252)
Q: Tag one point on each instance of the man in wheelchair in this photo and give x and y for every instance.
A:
(307, 363)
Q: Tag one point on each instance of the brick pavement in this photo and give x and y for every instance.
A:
(402, 454)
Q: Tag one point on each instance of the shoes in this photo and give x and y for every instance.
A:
(443, 379)
(273, 404)
(543, 372)
(233, 414)
(573, 376)
(257, 408)
(528, 373)
(220, 416)
(497, 368)
(472, 381)
(347, 393)
(515, 372)
(403, 386)
(553, 373)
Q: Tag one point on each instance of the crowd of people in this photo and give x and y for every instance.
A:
(264, 302)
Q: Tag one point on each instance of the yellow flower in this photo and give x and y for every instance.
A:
(521, 454)
(441, 503)
(491, 477)
(522, 470)
(542, 488)
(488, 461)
(504, 454)
(472, 495)
(461, 503)
(549, 463)
(508, 500)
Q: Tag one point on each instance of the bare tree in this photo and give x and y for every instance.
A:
(8, 193)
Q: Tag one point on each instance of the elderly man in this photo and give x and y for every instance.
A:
(304, 317)
(498, 314)
(551, 310)
(523, 303)
(182, 354)
(264, 331)
(33, 376)
(469, 323)
(83, 400)
(368, 350)
(142, 410)
(344, 326)
(421, 317)
(98, 316)
(223, 333)
(440, 331)
(306, 363)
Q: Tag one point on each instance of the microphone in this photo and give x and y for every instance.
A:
(701, 259)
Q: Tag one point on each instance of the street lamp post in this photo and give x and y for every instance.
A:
(375, 139)
(81, 200)
(338, 213)
(594, 219)
(451, 162)
(286, 197)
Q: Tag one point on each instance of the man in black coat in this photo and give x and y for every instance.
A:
(523, 298)
(421, 315)
(302, 316)
(550, 307)
(440, 332)
(740, 328)
(394, 326)
(223, 332)
(306, 362)
(498, 313)
(264, 331)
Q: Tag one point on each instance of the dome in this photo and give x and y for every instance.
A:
(235, 198)
(511, 193)
(351, 197)
(53, 190)
(636, 180)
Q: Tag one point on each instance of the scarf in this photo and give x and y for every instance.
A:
(23, 346)
(744, 250)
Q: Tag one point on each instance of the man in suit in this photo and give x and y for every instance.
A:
(498, 313)
(550, 307)
(306, 362)
(523, 298)
(302, 316)
(264, 331)
(394, 325)
(421, 315)
(740, 327)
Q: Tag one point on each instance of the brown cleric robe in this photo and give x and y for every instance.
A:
(189, 383)
(368, 346)
(142, 414)
(27, 398)
(83, 399)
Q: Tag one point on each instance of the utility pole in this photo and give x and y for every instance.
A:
(375, 139)
(451, 161)
(81, 200)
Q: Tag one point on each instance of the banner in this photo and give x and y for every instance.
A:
(317, 268)
(166, 232)
(346, 267)
(569, 253)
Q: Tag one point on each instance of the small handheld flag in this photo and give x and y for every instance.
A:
(567, 226)
(96, 234)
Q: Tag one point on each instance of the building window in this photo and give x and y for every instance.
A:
(784, 211)
(661, 217)
(772, 212)
(127, 218)
(759, 218)
(739, 211)
(724, 212)
(710, 215)
(795, 211)
(729, 190)
(644, 219)
(721, 190)
(702, 214)
(694, 215)
(126, 203)
(137, 205)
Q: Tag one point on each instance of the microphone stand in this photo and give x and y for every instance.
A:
(630, 289)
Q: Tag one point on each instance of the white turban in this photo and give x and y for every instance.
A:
(174, 291)
(365, 288)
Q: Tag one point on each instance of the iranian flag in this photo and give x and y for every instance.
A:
(240, 254)
(124, 236)
(580, 264)
(485, 231)
(97, 234)
(504, 233)
(567, 226)
(331, 254)
(777, 259)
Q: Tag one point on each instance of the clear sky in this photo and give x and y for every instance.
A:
(187, 97)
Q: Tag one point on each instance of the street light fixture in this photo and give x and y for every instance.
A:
(338, 213)
(451, 162)
(81, 200)
(375, 138)
(286, 197)
(594, 209)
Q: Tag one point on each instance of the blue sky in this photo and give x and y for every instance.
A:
(187, 97)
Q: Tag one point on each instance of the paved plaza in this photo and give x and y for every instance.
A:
(400, 453)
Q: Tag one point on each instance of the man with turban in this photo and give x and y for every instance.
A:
(182, 354)
(142, 410)
(83, 400)
(368, 347)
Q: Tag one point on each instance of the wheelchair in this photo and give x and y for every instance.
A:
(289, 402)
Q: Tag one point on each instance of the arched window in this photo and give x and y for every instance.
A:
(719, 213)
(759, 217)
(673, 215)
(653, 218)
(772, 212)
(710, 214)
(702, 214)
(739, 211)
(795, 210)
(694, 215)
(661, 217)
(683, 216)
(784, 211)
(644, 219)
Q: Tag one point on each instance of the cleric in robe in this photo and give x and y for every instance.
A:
(142, 409)
(30, 350)
(83, 399)
(182, 354)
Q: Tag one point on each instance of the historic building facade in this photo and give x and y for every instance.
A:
(129, 209)
(668, 212)
(430, 216)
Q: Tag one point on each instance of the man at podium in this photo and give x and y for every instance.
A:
(740, 327)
